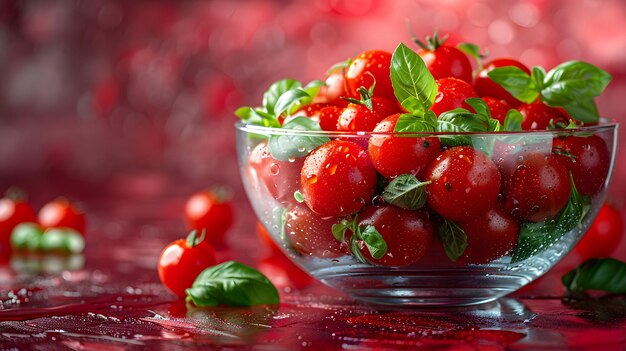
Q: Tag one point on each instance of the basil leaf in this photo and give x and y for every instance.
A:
(62, 239)
(536, 237)
(453, 238)
(284, 146)
(481, 108)
(493, 125)
(457, 121)
(26, 236)
(537, 75)
(513, 121)
(605, 274)
(410, 77)
(517, 82)
(339, 229)
(257, 116)
(275, 91)
(414, 124)
(472, 50)
(414, 106)
(406, 191)
(313, 87)
(288, 99)
(355, 250)
(374, 241)
(233, 284)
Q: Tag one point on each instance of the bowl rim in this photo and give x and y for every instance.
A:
(262, 130)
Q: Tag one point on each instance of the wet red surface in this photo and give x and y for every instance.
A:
(110, 298)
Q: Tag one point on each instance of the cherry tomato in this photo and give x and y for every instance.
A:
(333, 90)
(311, 234)
(337, 178)
(310, 110)
(329, 117)
(281, 178)
(283, 273)
(452, 94)
(210, 210)
(357, 117)
(408, 233)
(497, 108)
(447, 61)
(182, 260)
(508, 156)
(392, 156)
(604, 235)
(490, 236)
(538, 190)
(537, 116)
(590, 164)
(366, 67)
(61, 213)
(465, 183)
(486, 87)
(12, 213)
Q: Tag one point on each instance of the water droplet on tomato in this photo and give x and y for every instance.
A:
(274, 169)
(332, 169)
(291, 159)
(360, 201)
(586, 147)
(301, 148)
(312, 179)
(378, 200)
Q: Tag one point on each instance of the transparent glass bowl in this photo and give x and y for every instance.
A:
(434, 279)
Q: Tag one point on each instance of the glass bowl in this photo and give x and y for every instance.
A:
(495, 212)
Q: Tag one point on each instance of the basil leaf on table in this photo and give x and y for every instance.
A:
(406, 191)
(411, 78)
(284, 146)
(604, 274)
(536, 237)
(233, 284)
(453, 238)
(26, 236)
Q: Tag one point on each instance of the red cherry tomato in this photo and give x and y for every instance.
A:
(366, 67)
(337, 178)
(538, 190)
(538, 116)
(329, 117)
(333, 90)
(182, 260)
(465, 183)
(283, 273)
(310, 110)
(357, 117)
(407, 233)
(452, 94)
(604, 235)
(281, 178)
(497, 108)
(12, 213)
(61, 213)
(508, 156)
(447, 61)
(486, 87)
(590, 164)
(311, 234)
(392, 156)
(212, 211)
(489, 236)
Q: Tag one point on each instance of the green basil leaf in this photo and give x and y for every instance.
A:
(537, 75)
(313, 87)
(355, 250)
(339, 66)
(62, 239)
(374, 241)
(584, 110)
(411, 77)
(605, 274)
(513, 121)
(275, 91)
(473, 51)
(453, 238)
(493, 125)
(284, 146)
(26, 236)
(414, 106)
(408, 123)
(233, 284)
(458, 121)
(517, 82)
(339, 230)
(536, 237)
(288, 99)
(257, 116)
(406, 191)
(481, 108)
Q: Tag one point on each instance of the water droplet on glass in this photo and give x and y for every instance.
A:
(301, 148)
(378, 200)
(274, 169)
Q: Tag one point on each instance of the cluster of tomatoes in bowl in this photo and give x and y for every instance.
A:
(404, 157)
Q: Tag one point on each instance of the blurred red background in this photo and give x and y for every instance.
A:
(130, 98)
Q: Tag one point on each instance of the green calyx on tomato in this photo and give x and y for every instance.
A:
(605, 274)
(361, 235)
(431, 43)
(193, 239)
(571, 85)
(536, 237)
(365, 94)
(234, 284)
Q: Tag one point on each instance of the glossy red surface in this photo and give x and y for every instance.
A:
(115, 301)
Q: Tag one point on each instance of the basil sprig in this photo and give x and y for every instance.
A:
(361, 235)
(406, 191)
(410, 77)
(233, 284)
(536, 237)
(285, 146)
(571, 85)
(453, 238)
(604, 274)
